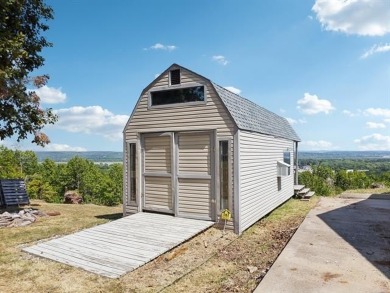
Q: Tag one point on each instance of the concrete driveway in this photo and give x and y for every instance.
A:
(343, 245)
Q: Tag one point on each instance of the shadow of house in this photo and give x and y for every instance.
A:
(365, 225)
(110, 217)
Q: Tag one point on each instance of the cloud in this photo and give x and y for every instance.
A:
(374, 125)
(311, 104)
(294, 121)
(159, 46)
(63, 148)
(233, 89)
(50, 95)
(376, 49)
(291, 121)
(91, 120)
(378, 112)
(220, 59)
(349, 113)
(360, 17)
(374, 142)
(319, 145)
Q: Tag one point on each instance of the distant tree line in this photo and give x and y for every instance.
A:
(98, 184)
(326, 181)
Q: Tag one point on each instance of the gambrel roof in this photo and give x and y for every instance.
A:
(249, 116)
(246, 114)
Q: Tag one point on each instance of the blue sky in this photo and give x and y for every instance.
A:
(322, 64)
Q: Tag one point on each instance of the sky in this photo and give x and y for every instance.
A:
(322, 64)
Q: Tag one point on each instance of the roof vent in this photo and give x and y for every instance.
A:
(175, 76)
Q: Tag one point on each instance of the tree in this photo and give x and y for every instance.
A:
(21, 25)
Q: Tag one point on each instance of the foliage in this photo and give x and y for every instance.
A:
(21, 25)
(325, 181)
(48, 181)
(40, 189)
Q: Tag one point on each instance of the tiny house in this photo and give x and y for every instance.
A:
(193, 149)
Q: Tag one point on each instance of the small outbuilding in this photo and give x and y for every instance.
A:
(193, 149)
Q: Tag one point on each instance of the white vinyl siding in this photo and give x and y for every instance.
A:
(258, 188)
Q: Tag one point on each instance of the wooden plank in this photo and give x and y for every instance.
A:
(114, 248)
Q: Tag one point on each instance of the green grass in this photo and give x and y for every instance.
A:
(221, 266)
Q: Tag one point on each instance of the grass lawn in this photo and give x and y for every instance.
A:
(209, 262)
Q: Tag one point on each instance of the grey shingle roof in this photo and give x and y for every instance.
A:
(250, 116)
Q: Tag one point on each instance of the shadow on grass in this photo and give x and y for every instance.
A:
(110, 217)
(366, 226)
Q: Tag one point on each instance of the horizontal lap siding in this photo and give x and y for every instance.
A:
(181, 117)
(259, 193)
(194, 154)
(211, 115)
(194, 197)
(158, 190)
(158, 154)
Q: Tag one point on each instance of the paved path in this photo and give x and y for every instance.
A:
(343, 245)
(118, 247)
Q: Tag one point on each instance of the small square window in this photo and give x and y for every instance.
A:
(175, 76)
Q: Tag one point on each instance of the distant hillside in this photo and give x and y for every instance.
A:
(353, 155)
(109, 157)
(98, 157)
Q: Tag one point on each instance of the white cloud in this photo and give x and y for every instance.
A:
(374, 142)
(233, 89)
(387, 120)
(319, 145)
(159, 46)
(311, 104)
(91, 120)
(291, 121)
(374, 125)
(360, 17)
(294, 121)
(220, 59)
(63, 148)
(376, 49)
(378, 112)
(349, 113)
(50, 95)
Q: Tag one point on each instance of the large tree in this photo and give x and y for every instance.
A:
(21, 42)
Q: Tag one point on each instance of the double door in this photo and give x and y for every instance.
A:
(177, 173)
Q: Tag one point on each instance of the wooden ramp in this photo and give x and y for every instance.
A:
(118, 247)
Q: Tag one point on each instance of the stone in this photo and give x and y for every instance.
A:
(252, 269)
(72, 197)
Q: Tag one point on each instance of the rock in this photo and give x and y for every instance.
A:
(252, 269)
(377, 185)
(72, 197)
(51, 214)
(19, 219)
(25, 223)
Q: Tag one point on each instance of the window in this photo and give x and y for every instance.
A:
(224, 174)
(177, 96)
(287, 157)
(132, 170)
(174, 76)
